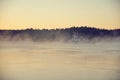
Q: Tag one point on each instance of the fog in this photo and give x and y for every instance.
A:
(83, 60)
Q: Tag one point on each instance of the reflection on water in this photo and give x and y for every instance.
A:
(59, 61)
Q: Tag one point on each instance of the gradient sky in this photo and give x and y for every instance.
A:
(21, 14)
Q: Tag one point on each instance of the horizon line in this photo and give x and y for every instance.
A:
(61, 28)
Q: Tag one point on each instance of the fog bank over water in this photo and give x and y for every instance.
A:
(28, 60)
(73, 34)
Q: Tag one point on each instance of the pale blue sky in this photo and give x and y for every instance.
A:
(19, 14)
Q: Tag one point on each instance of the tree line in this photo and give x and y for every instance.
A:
(64, 34)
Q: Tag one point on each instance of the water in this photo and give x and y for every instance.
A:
(59, 61)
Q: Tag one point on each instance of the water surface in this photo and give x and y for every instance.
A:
(59, 61)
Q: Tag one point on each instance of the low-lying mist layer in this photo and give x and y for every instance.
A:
(26, 60)
(74, 34)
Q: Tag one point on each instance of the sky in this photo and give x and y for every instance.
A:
(48, 14)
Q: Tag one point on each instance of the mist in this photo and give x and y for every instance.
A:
(61, 54)
(28, 60)
(73, 34)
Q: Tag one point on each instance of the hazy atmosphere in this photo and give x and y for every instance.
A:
(59, 61)
(59, 40)
(21, 14)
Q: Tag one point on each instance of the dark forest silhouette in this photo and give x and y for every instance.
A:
(66, 34)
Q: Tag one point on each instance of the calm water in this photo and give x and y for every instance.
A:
(59, 61)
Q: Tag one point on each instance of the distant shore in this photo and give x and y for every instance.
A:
(66, 34)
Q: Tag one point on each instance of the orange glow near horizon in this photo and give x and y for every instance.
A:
(50, 14)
